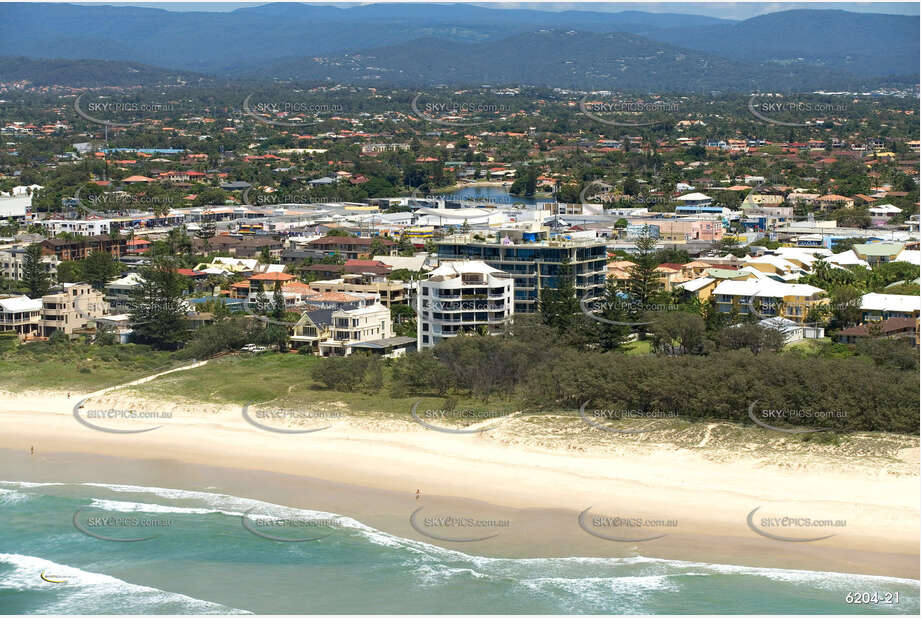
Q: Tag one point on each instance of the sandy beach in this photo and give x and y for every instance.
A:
(536, 480)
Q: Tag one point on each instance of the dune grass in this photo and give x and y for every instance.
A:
(285, 380)
(77, 367)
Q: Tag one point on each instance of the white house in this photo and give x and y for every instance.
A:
(21, 314)
(884, 210)
(118, 292)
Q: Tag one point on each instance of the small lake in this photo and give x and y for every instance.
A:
(492, 195)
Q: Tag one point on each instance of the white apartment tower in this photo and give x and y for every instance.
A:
(457, 297)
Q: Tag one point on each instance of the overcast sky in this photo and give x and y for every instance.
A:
(726, 10)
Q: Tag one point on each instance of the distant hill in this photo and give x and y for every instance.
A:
(471, 14)
(209, 42)
(859, 43)
(89, 73)
(438, 43)
(560, 58)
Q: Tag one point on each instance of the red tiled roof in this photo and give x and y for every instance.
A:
(886, 326)
(377, 263)
(272, 277)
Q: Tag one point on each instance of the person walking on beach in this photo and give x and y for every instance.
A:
(31, 450)
(418, 494)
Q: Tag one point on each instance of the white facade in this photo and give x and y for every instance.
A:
(16, 207)
(463, 297)
(11, 261)
(370, 323)
(84, 227)
(20, 314)
(118, 292)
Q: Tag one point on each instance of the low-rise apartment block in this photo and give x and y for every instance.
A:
(81, 248)
(12, 258)
(390, 292)
(71, 308)
(767, 298)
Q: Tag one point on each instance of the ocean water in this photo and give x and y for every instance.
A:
(204, 561)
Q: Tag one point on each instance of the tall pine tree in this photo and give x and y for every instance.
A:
(156, 307)
(34, 276)
(559, 307)
(643, 286)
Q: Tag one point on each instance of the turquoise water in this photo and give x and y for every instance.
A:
(204, 561)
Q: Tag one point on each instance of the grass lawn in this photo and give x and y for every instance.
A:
(79, 367)
(285, 380)
(638, 348)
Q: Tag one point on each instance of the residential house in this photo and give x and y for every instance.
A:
(264, 285)
(336, 332)
(674, 274)
(791, 331)
(22, 315)
(620, 269)
(137, 246)
(878, 252)
(248, 247)
(832, 202)
(118, 292)
(230, 266)
(802, 198)
(119, 325)
(891, 328)
(347, 246)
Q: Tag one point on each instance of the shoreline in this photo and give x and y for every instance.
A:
(370, 469)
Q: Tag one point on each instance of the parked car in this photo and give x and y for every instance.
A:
(254, 349)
